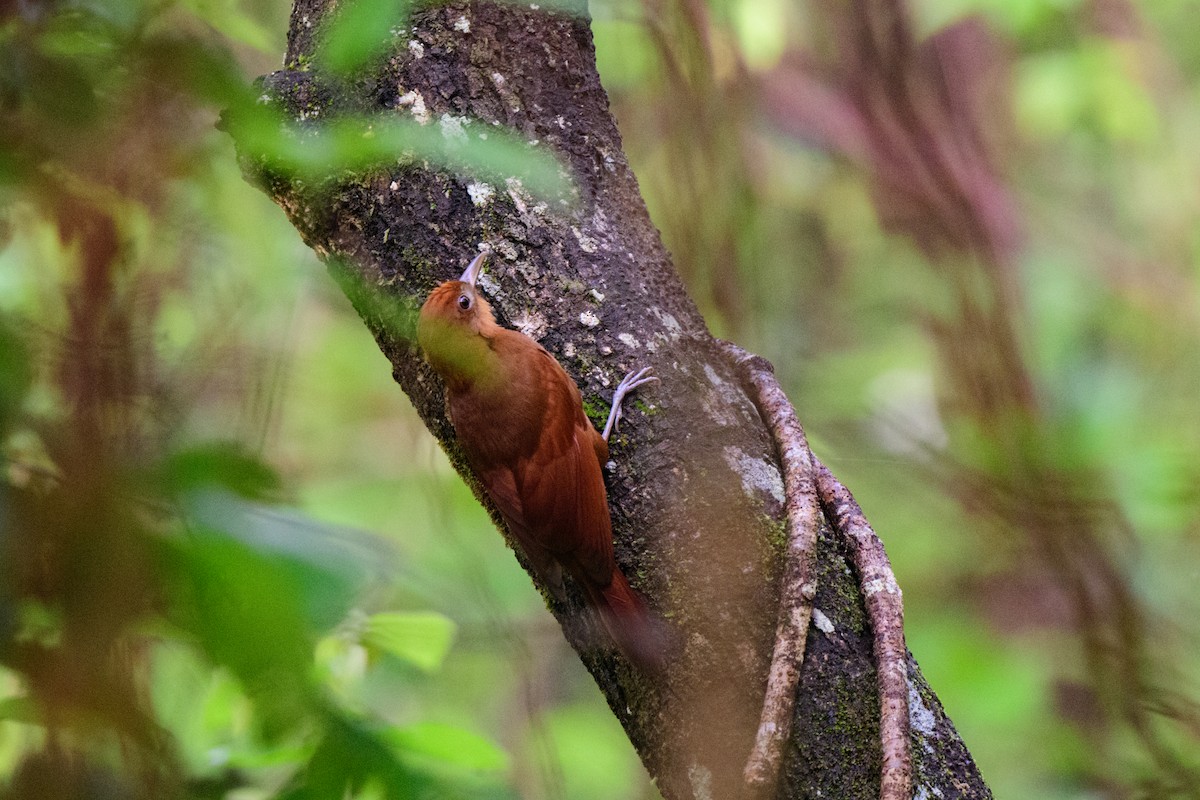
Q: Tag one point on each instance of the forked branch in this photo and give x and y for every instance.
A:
(809, 487)
(798, 588)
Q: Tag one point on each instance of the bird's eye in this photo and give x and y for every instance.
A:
(464, 301)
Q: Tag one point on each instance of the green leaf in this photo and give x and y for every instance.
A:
(16, 375)
(19, 709)
(360, 32)
(227, 17)
(219, 464)
(422, 638)
(322, 148)
(330, 565)
(352, 757)
(450, 746)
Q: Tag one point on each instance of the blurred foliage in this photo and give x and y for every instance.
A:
(176, 618)
(996, 351)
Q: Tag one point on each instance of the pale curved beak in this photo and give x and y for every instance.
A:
(471, 275)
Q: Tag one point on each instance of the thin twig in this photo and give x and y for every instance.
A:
(885, 610)
(798, 587)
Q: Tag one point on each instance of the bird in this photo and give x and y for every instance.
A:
(519, 420)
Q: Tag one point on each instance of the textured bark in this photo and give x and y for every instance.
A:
(695, 489)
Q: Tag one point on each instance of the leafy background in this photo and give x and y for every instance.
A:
(236, 565)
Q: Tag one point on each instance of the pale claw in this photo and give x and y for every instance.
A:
(630, 382)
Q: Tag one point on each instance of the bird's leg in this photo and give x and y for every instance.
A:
(630, 382)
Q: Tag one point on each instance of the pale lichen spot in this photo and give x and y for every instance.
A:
(417, 102)
(596, 295)
(569, 349)
(516, 191)
(454, 128)
(823, 623)
(672, 326)
(462, 24)
(878, 585)
(924, 792)
(629, 340)
(416, 48)
(531, 323)
(727, 396)
(506, 249)
(701, 778)
(589, 319)
(480, 192)
(920, 718)
(586, 243)
(758, 475)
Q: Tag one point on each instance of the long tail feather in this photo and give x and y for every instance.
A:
(640, 636)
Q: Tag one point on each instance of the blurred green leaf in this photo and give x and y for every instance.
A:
(351, 757)
(16, 374)
(450, 746)
(360, 31)
(219, 464)
(19, 709)
(322, 148)
(1089, 85)
(247, 613)
(421, 638)
(196, 69)
(80, 35)
(256, 587)
(327, 566)
(228, 17)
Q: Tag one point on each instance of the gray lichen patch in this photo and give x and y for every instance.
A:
(670, 324)
(927, 792)
(720, 399)
(758, 475)
(531, 323)
(586, 243)
(701, 778)
(920, 717)
(480, 193)
(454, 128)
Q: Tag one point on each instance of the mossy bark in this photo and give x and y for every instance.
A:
(695, 490)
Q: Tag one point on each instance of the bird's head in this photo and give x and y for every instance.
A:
(455, 325)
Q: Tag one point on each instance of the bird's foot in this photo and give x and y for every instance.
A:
(630, 382)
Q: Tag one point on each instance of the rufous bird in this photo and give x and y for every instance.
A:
(520, 421)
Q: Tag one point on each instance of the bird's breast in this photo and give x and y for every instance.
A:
(496, 427)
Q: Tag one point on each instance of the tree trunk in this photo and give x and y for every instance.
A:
(695, 489)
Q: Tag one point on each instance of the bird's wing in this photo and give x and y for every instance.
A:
(561, 486)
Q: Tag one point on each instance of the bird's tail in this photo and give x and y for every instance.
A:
(639, 635)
